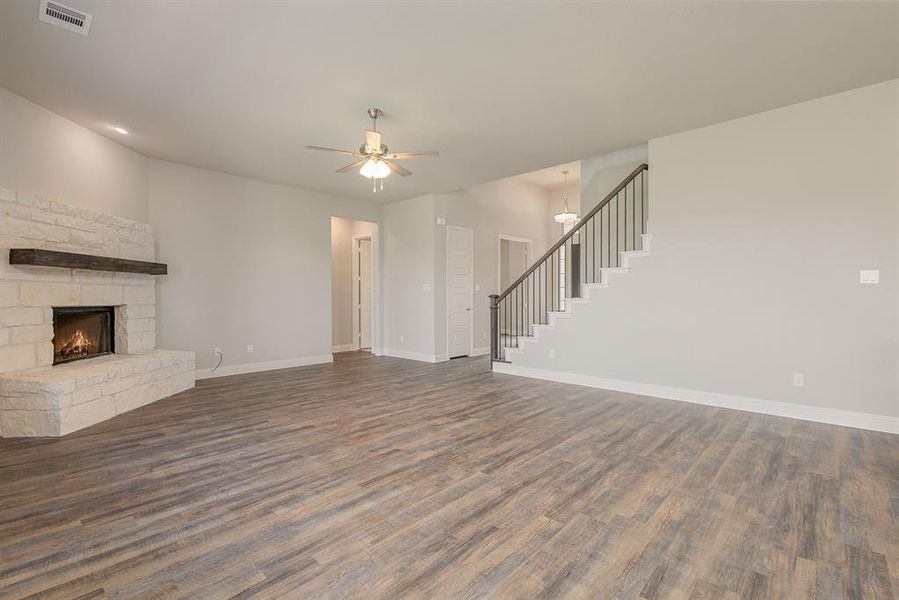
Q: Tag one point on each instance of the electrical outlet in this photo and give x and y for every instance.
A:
(483, 335)
(869, 277)
(798, 379)
(250, 348)
(477, 287)
(402, 338)
(552, 353)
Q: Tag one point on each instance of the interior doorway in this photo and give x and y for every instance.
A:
(515, 255)
(514, 259)
(354, 286)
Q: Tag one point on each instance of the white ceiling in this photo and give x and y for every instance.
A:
(499, 88)
(552, 178)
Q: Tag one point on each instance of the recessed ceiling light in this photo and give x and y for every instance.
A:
(121, 130)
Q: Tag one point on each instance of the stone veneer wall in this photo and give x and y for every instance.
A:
(27, 294)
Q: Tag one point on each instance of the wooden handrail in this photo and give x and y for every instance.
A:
(644, 167)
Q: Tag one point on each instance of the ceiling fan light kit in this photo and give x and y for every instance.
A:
(376, 161)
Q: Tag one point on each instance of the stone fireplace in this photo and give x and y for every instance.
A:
(81, 332)
(77, 346)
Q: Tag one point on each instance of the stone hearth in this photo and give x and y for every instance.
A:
(54, 401)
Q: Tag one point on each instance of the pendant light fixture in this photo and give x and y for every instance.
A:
(566, 216)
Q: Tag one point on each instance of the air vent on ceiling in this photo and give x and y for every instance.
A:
(65, 17)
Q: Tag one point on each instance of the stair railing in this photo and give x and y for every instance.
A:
(593, 243)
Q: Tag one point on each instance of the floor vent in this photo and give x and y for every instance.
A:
(65, 17)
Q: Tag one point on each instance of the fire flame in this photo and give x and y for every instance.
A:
(77, 345)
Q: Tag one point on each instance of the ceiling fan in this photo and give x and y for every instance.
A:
(375, 160)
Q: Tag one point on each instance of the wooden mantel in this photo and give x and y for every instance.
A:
(70, 260)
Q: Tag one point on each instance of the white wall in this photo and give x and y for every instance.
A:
(604, 166)
(341, 282)
(408, 254)
(249, 263)
(604, 181)
(44, 153)
(761, 227)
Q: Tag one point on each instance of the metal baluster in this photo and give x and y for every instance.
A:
(517, 315)
(634, 215)
(531, 304)
(643, 201)
(625, 219)
(617, 230)
(552, 285)
(593, 250)
(507, 341)
(583, 246)
(608, 234)
(539, 272)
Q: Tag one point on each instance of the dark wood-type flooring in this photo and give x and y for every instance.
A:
(386, 478)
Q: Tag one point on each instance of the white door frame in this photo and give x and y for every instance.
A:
(355, 292)
(447, 291)
(499, 254)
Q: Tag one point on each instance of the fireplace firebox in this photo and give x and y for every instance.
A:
(82, 332)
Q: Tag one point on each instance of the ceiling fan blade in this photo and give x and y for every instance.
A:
(332, 150)
(416, 154)
(356, 165)
(372, 141)
(395, 168)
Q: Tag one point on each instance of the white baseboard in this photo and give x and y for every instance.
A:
(481, 351)
(431, 358)
(344, 348)
(264, 366)
(832, 416)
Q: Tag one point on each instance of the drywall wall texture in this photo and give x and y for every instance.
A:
(249, 264)
(408, 237)
(761, 226)
(341, 283)
(46, 154)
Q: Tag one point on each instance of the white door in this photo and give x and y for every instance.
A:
(459, 285)
(363, 293)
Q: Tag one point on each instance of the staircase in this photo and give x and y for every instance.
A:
(582, 263)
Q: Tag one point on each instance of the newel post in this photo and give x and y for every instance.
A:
(494, 327)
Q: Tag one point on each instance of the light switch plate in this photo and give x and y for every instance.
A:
(869, 277)
(441, 220)
(426, 287)
(477, 287)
